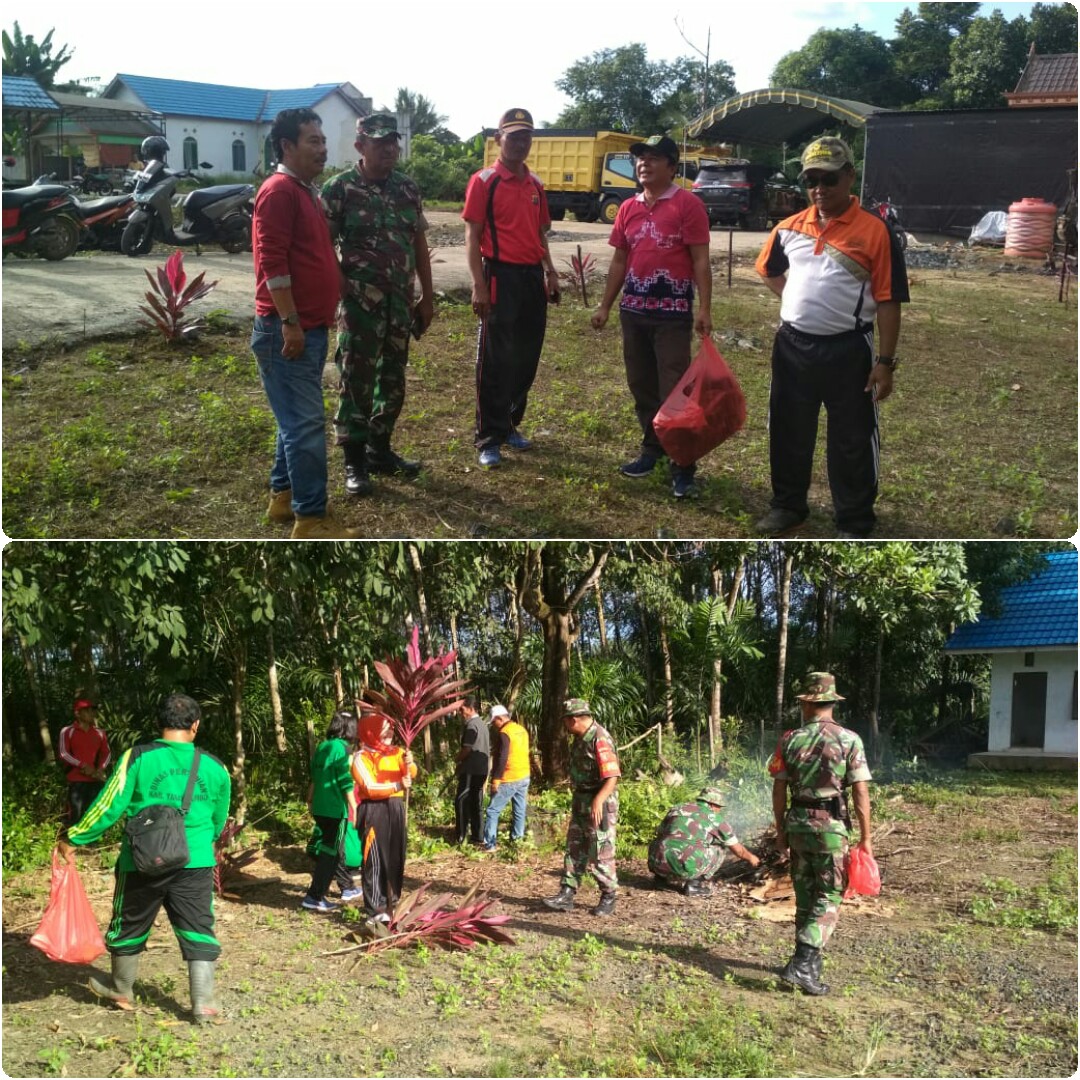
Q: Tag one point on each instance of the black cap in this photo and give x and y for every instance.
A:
(661, 144)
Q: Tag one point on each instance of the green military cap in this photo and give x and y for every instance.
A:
(378, 126)
(711, 793)
(828, 153)
(819, 686)
(576, 706)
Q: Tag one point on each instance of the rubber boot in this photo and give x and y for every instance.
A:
(561, 901)
(119, 987)
(606, 905)
(357, 480)
(801, 970)
(381, 459)
(818, 960)
(201, 981)
(697, 887)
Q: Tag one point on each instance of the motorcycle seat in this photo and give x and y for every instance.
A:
(89, 207)
(204, 196)
(18, 197)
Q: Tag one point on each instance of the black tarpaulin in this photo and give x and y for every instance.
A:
(944, 170)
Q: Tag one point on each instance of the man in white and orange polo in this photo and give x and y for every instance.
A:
(837, 269)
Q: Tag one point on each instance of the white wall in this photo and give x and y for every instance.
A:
(1061, 727)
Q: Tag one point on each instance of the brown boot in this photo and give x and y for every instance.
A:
(280, 509)
(322, 527)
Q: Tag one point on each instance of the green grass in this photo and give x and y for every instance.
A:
(124, 438)
(1051, 905)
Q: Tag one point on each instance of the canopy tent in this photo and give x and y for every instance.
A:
(777, 116)
(108, 132)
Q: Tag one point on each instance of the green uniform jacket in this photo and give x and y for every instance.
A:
(159, 774)
(331, 778)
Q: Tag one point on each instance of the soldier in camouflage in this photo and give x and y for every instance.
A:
(692, 842)
(378, 224)
(817, 763)
(590, 838)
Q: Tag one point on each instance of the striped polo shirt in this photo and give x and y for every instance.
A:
(837, 272)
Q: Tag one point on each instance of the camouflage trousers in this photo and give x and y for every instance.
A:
(817, 872)
(588, 849)
(372, 351)
(684, 860)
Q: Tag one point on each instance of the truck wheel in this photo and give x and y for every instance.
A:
(57, 239)
(609, 209)
(558, 215)
(586, 215)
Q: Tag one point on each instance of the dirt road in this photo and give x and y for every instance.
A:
(98, 293)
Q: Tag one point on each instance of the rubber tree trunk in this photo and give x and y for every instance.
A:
(239, 783)
(716, 735)
(669, 689)
(275, 692)
(518, 674)
(425, 629)
(782, 644)
(875, 707)
(39, 702)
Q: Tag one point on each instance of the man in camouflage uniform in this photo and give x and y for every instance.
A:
(378, 224)
(590, 838)
(692, 842)
(818, 762)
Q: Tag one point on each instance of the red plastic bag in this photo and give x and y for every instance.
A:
(863, 876)
(69, 931)
(706, 407)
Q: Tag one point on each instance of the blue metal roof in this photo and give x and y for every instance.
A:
(21, 92)
(1037, 613)
(176, 97)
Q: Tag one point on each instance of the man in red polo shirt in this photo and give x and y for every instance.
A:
(661, 242)
(297, 286)
(506, 225)
(84, 749)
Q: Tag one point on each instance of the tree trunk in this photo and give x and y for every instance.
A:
(275, 692)
(601, 622)
(458, 666)
(339, 676)
(39, 702)
(875, 727)
(518, 674)
(781, 653)
(425, 627)
(716, 735)
(669, 690)
(239, 785)
(555, 682)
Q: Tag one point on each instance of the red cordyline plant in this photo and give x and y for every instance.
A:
(230, 862)
(414, 693)
(422, 919)
(582, 266)
(171, 295)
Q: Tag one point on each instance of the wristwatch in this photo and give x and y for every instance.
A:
(891, 362)
(292, 319)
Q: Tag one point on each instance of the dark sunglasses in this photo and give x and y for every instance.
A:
(827, 179)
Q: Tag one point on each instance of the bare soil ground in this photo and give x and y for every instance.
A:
(668, 986)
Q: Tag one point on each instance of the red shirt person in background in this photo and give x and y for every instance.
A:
(84, 748)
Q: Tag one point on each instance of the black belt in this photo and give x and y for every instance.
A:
(498, 264)
(801, 335)
(836, 805)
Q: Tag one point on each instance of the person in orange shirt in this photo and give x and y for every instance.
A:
(383, 773)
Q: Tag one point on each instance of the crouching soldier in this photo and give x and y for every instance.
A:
(590, 838)
(692, 842)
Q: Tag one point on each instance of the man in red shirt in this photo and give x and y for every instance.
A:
(506, 225)
(661, 242)
(297, 286)
(84, 749)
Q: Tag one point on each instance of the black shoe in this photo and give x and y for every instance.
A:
(697, 887)
(387, 463)
(357, 481)
(802, 970)
(779, 522)
(606, 905)
(683, 486)
(563, 900)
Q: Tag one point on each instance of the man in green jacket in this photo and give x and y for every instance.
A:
(146, 775)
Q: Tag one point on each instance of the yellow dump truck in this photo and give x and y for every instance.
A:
(590, 173)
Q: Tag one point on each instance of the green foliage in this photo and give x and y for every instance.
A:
(1050, 906)
(25, 56)
(642, 806)
(33, 807)
(440, 169)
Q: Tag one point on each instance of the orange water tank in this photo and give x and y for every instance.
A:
(1029, 232)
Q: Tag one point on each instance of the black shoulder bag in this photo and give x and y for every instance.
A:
(156, 834)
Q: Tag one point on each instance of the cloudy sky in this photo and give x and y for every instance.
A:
(473, 59)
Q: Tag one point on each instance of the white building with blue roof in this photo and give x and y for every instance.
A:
(229, 126)
(1032, 645)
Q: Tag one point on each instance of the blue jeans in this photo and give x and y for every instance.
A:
(516, 791)
(294, 390)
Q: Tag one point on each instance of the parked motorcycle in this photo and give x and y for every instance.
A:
(40, 220)
(102, 221)
(212, 215)
(93, 183)
(890, 214)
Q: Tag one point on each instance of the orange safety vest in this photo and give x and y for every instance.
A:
(517, 760)
(378, 775)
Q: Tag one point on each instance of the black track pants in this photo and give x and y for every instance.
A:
(382, 839)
